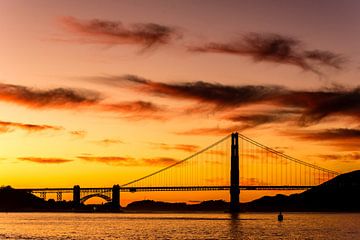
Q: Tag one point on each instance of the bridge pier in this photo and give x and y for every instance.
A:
(234, 174)
(76, 196)
(115, 202)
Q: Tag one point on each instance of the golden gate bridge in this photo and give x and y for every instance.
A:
(234, 163)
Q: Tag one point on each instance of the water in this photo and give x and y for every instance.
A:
(179, 226)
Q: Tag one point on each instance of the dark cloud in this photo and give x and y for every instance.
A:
(115, 33)
(318, 105)
(64, 98)
(342, 138)
(53, 98)
(215, 93)
(331, 134)
(256, 119)
(10, 126)
(276, 48)
(45, 160)
(311, 106)
(181, 147)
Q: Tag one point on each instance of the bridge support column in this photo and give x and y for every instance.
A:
(115, 197)
(76, 196)
(234, 174)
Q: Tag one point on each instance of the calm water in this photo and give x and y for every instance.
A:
(178, 226)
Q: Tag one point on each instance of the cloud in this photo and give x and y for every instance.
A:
(159, 161)
(66, 98)
(181, 147)
(108, 141)
(78, 133)
(355, 156)
(319, 105)
(53, 98)
(108, 32)
(331, 134)
(275, 48)
(112, 160)
(129, 161)
(312, 106)
(215, 93)
(260, 118)
(9, 126)
(136, 110)
(45, 160)
(217, 131)
(344, 138)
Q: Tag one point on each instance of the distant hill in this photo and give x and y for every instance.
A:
(12, 199)
(341, 193)
(150, 205)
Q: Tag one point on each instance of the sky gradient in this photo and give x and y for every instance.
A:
(97, 93)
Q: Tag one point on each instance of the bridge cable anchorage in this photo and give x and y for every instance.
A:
(178, 163)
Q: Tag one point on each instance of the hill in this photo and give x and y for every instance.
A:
(12, 199)
(341, 193)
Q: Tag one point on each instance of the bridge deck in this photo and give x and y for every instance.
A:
(172, 188)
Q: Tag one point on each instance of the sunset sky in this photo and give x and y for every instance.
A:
(97, 93)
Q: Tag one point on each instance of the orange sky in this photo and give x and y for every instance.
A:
(98, 93)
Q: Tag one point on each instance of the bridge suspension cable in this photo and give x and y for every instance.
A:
(259, 166)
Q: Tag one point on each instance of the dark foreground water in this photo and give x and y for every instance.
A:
(179, 226)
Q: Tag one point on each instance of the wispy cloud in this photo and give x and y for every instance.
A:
(344, 138)
(276, 48)
(216, 93)
(181, 147)
(159, 161)
(355, 156)
(251, 120)
(209, 131)
(108, 141)
(129, 161)
(78, 133)
(67, 98)
(136, 110)
(111, 160)
(10, 126)
(108, 32)
(330, 134)
(53, 98)
(311, 106)
(45, 160)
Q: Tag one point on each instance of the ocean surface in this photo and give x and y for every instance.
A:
(179, 226)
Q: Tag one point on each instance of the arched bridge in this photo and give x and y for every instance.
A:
(105, 197)
(234, 163)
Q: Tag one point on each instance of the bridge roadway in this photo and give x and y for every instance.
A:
(173, 188)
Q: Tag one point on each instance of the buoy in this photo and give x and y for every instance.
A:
(280, 217)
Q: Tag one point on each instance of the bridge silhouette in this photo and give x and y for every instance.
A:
(234, 163)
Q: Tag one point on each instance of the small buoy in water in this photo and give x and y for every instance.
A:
(280, 217)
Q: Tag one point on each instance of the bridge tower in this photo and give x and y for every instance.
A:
(76, 196)
(234, 174)
(115, 202)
